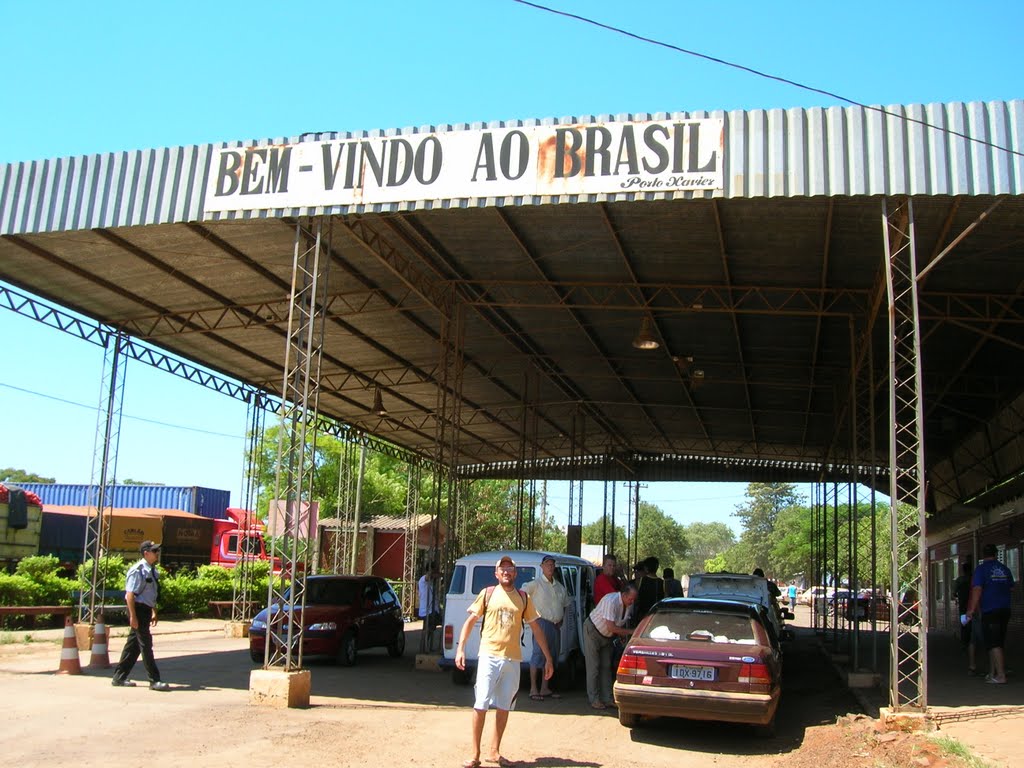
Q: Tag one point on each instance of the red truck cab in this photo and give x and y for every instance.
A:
(240, 534)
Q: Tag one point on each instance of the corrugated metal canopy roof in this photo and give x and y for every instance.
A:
(755, 292)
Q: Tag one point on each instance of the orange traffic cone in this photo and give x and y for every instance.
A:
(99, 658)
(69, 663)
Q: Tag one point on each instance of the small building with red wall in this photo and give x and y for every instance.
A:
(385, 554)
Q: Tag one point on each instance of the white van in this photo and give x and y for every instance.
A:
(474, 573)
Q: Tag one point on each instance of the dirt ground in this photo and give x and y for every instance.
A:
(384, 712)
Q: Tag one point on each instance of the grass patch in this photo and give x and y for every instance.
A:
(954, 748)
(10, 638)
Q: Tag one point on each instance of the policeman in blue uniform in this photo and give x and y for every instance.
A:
(141, 588)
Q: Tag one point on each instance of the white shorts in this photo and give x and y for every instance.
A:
(497, 683)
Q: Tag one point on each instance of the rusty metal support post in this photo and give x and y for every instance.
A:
(294, 538)
(908, 630)
(104, 474)
(412, 529)
(242, 596)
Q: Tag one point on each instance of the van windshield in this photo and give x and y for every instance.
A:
(483, 577)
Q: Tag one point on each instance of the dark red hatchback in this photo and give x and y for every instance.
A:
(701, 659)
(343, 615)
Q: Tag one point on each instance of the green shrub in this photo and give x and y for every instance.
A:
(112, 568)
(16, 589)
(38, 566)
(50, 588)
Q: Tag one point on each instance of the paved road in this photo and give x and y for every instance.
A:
(380, 712)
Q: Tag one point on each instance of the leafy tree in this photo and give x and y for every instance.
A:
(490, 505)
(660, 536)
(12, 475)
(592, 533)
(706, 541)
(129, 481)
(765, 501)
(715, 564)
(791, 544)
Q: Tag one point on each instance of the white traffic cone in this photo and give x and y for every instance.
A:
(99, 658)
(69, 663)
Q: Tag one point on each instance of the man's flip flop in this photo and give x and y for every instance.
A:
(598, 705)
(503, 762)
(471, 764)
(536, 697)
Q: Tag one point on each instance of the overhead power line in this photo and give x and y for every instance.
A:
(127, 416)
(766, 75)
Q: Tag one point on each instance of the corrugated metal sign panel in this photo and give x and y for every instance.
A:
(834, 151)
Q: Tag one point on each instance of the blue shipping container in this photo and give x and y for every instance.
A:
(206, 502)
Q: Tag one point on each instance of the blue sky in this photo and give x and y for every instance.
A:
(83, 78)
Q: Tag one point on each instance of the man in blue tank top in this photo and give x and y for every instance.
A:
(990, 591)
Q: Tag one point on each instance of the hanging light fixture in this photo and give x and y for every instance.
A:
(378, 408)
(645, 336)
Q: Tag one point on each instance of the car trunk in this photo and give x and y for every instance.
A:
(697, 665)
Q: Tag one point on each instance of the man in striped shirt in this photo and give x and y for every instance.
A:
(604, 623)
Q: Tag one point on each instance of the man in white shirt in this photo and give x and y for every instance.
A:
(604, 623)
(551, 600)
(427, 606)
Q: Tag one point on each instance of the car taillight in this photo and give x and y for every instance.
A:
(449, 636)
(632, 665)
(755, 674)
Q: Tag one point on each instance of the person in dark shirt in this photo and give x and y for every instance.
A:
(650, 589)
(990, 594)
(673, 586)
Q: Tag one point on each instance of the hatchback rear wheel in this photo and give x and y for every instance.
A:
(347, 650)
(397, 646)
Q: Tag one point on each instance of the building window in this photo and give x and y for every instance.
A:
(938, 582)
(1010, 557)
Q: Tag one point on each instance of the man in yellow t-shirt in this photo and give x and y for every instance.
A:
(503, 609)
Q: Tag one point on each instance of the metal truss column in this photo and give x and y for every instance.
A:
(104, 475)
(344, 533)
(908, 677)
(242, 596)
(449, 507)
(412, 516)
(295, 539)
(864, 479)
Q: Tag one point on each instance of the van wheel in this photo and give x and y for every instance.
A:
(628, 719)
(256, 656)
(347, 650)
(460, 676)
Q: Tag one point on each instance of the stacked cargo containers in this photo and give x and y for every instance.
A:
(205, 502)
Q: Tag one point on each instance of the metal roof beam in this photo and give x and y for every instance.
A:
(670, 298)
(627, 261)
(500, 321)
(582, 327)
(260, 313)
(816, 345)
(735, 321)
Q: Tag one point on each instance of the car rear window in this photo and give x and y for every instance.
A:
(701, 626)
(483, 577)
